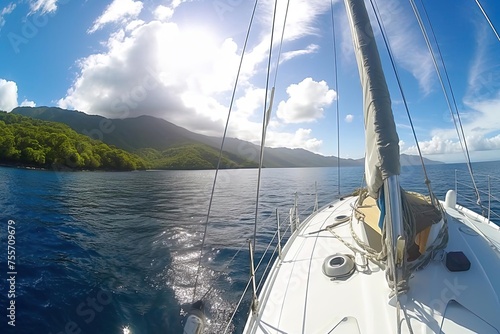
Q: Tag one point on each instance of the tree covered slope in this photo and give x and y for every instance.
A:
(30, 142)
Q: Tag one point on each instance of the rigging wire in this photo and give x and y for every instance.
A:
(265, 121)
(488, 19)
(335, 69)
(403, 96)
(460, 133)
(222, 146)
(281, 43)
(268, 109)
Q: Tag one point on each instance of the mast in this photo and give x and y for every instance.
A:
(382, 166)
(382, 142)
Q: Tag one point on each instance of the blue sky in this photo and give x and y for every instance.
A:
(178, 60)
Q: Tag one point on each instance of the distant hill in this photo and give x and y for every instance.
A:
(129, 134)
(191, 156)
(147, 132)
(410, 160)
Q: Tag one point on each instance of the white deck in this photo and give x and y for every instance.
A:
(298, 298)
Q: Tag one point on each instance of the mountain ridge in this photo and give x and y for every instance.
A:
(143, 132)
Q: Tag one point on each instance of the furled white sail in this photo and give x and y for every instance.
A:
(382, 142)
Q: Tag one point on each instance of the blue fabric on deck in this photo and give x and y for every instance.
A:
(381, 206)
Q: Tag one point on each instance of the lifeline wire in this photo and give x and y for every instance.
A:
(221, 147)
(267, 111)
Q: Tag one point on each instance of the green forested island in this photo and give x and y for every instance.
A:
(29, 142)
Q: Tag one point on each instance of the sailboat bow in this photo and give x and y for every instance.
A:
(385, 260)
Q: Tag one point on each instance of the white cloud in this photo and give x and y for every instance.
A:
(301, 20)
(132, 25)
(27, 103)
(349, 118)
(436, 145)
(405, 40)
(8, 95)
(163, 13)
(402, 145)
(480, 128)
(119, 11)
(160, 70)
(484, 72)
(479, 114)
(484, 144)
(312, 48)
(306, 101)
(43, 6)
(300, 139)
(482, 119)
(246, 118)
(6, 11)
(251, 102)
(177, 3)
(407, 43)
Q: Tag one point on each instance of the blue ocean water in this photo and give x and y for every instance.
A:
(98, 252)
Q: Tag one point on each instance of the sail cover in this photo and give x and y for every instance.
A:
(382, 142)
